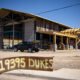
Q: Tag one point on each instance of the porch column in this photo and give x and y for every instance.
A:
(67, 43)
(1, 37)
(34, 30)
(61, 39)
(1, 34)
(50, 38)
(76, 45)
(62, 43)
(41, 39)
(54, 43)
(13, 33)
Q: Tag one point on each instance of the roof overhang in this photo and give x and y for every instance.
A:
(4, 12)
(72, 31)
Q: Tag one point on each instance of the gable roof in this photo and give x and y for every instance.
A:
(4, 12)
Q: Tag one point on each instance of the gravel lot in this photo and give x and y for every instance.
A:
(62, 59)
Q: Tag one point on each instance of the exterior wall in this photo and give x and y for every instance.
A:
(43, 25)
(56, 27)
(29, 30)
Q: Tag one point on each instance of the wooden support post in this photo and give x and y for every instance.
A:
(67, 43)
(62, 43)
(76, 45)
(13, 31)
(61, 39)
(34, 30)
(1, 37)
(50, 38)
(54, 43)
(41, 36)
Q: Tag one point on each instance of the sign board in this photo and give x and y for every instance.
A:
(22, 62)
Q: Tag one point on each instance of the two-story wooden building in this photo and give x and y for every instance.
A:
(18, 26)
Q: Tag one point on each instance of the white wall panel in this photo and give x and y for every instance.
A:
(29, 30)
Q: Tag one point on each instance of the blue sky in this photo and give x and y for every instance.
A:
(69, 16)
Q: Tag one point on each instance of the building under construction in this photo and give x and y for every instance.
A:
(16, 27)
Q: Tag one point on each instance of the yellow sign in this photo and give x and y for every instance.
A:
(33, 63)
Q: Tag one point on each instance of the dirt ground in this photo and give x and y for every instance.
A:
(62, 59)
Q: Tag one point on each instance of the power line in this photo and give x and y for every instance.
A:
(59, 8)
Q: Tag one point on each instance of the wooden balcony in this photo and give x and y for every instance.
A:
(41, 29)
(52, 32)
